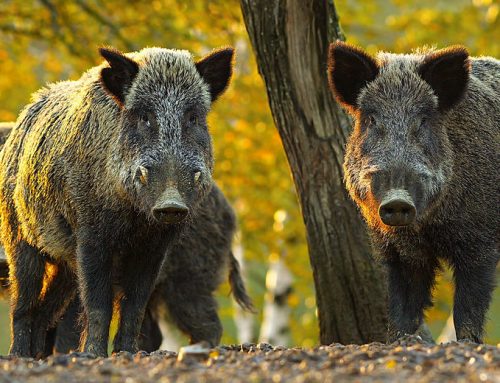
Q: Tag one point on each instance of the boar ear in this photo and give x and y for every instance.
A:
(447, 72)
(216, 69)
(349, 70)
(119, 75)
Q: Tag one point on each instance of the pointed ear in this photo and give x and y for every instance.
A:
(216, 69)
(118, 77)
(349, 70)
(447, 72)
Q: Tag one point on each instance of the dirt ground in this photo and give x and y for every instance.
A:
(408, 360)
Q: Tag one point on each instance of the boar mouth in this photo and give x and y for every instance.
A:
(397, 208)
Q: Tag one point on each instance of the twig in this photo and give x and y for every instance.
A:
(101, 19)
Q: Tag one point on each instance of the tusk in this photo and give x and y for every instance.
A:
(144, 175)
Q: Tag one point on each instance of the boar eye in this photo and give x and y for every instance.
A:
(368, 121)
(419, 126)
(145, 119)
(191, 118)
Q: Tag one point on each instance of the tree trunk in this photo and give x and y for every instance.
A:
(243, 320)
(275, 327)
(290, 39)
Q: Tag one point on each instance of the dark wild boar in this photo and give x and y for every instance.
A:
(98, 179)
(192, 271)
(422, 164)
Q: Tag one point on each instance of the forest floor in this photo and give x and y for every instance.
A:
(408, 360)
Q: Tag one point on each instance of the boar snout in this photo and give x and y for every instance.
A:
(172, 212)
(170, 208)
(397, 208)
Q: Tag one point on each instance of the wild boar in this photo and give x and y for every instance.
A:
(192, 271)
(422, 164)
(97, 180)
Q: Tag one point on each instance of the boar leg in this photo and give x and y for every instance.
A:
(193, 312)
(58, 294)
(410, 288)
(140, 272)
(474, 284)
(94, 274)
(68, 330)
(64, 337)
(27, 272)
(150, 337)
(50, 340)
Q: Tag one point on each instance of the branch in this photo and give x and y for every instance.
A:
(10, 28)
(60, 35)
(101, 19)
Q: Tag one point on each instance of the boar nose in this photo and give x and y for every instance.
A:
(170, 207)
(170, 212)
(397, 209)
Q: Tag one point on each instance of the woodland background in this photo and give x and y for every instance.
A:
(51, 40)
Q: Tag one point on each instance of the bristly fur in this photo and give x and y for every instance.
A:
(70, 195)
(428, 124)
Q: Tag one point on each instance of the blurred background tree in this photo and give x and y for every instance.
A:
(50, 40)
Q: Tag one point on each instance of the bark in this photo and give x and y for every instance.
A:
(290, 39)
